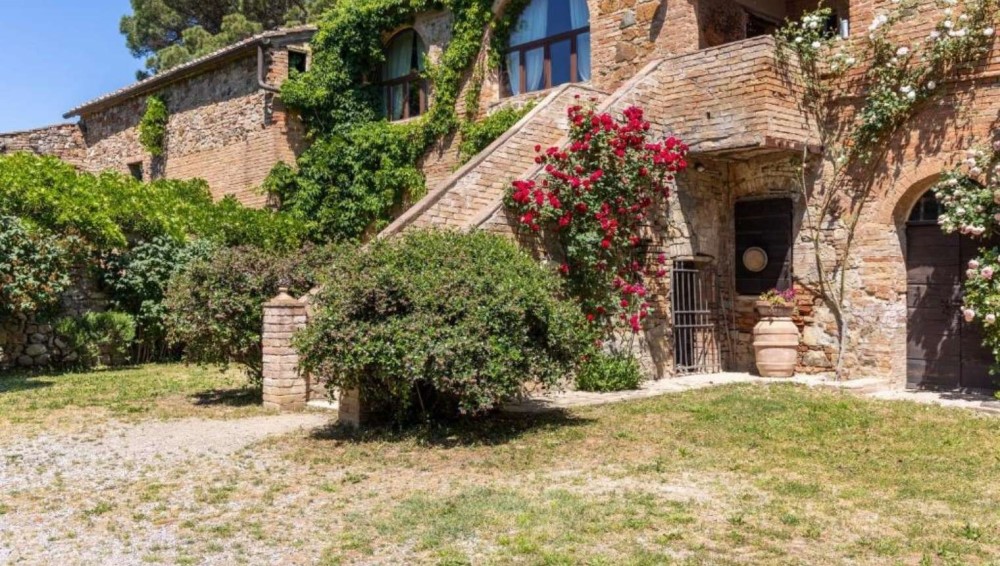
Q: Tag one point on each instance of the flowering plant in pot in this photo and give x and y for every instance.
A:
(774, 302)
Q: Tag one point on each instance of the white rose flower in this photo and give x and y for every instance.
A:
(963, 17)
(816, 45)
(968, 314)
(990, 318)
(973, 264)
(902, 51)
(947, 24)
(935, 34)
(961, 33)
(911, 95)
(988, 32)
(798, 39)
(850, 60)
(931, 85)
(975, 171)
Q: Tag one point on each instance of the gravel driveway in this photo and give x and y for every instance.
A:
(160, 479)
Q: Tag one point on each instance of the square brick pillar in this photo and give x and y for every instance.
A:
(285, 388)
(350, 411)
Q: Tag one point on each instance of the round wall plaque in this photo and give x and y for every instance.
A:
(755, 259)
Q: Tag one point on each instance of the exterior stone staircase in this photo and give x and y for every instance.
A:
(734, 101)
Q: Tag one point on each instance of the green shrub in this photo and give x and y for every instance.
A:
(97, 337)
(137, 280)
(110, 209)
(34, 268)
(440, 323)
(476, 136)
(604, 372)
(153, 126)
(214, 306)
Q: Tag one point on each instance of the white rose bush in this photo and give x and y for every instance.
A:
(969, 195)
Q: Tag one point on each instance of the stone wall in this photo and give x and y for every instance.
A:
(64, 141)
(32, 342)
(222, 128)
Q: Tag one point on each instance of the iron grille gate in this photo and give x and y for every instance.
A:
(692, 294)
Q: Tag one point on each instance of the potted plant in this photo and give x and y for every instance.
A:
(775, 337)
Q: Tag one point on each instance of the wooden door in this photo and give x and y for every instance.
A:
(942, 351)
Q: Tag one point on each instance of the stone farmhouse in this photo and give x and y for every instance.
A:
(227, 125)
(707, 71)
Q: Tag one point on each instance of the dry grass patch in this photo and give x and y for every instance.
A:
(74, 399)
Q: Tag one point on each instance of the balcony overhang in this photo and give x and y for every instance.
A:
(738, 100)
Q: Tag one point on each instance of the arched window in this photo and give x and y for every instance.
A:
(404, 91)
(926, 211)
(549, 46)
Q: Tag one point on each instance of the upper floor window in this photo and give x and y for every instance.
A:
(549, 46)
(298, 61)
(404, 91)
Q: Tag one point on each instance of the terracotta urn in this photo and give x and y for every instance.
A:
(775, 340)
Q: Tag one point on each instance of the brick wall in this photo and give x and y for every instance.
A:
(64, 141)
(222, 128)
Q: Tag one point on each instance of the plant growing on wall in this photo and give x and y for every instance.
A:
(900, 77)
(969, 196)
(596, 198)
(153, 126)
(477, 136)
(361, 169)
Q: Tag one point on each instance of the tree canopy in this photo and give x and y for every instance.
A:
(172, 32)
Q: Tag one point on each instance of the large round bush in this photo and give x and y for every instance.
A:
(439, 323)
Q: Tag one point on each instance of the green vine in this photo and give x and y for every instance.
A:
(476, 136)
(900, 76)
(153, 126)
(361, 169)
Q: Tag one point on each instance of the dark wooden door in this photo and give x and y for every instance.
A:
(942, 351)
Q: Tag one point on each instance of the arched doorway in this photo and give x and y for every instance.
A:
(942, 350)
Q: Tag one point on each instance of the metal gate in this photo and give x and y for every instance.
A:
(692, 295)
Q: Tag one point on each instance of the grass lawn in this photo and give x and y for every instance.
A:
(155, 390)
(743, 474)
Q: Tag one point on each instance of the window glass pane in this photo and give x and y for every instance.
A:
(534, 67)
(583, 57)
(559, 17)
(560, 56)
(395, 102)
(414, 98)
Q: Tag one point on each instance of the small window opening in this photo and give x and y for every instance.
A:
(298, 61)
(763, 246)
(926, 211)
(135, 169)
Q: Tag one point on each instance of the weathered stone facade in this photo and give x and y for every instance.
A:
(64, 141)
(226, 124)
(32, 341)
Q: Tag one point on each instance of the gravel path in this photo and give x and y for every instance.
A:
(55, 489)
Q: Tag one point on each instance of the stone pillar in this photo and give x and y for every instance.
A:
(349, 409)
(284, 387)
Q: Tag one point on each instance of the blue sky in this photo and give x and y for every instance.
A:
(59, 53)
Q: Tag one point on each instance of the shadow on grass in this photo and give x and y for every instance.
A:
(21, 382)
(240, 397)
(490, 430)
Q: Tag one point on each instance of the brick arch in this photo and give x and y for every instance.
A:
(903, 191)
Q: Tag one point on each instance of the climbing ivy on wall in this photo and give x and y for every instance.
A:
(153, 125)
(361, 169)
